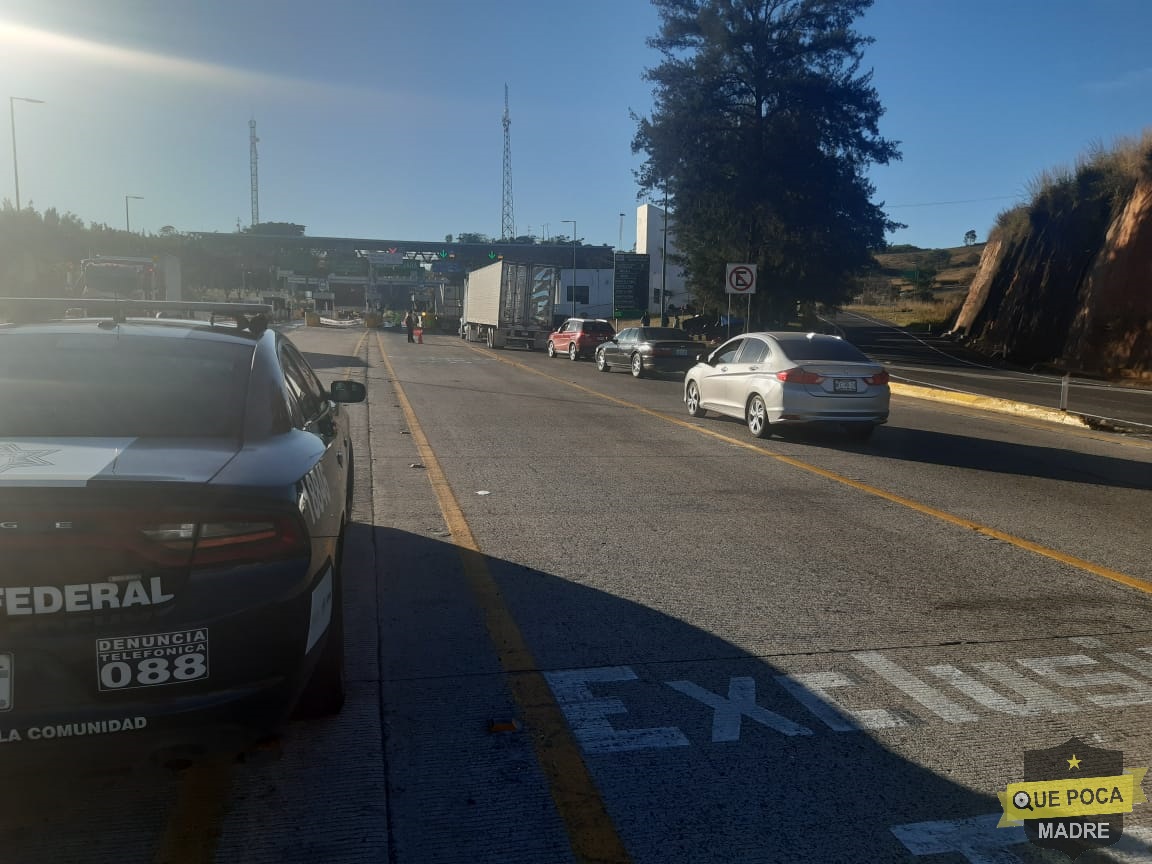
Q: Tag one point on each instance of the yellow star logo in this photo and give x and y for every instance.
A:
(1073, 762)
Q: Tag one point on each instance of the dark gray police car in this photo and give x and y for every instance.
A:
(173, 499)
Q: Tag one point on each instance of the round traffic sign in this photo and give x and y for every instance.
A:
(742, 279)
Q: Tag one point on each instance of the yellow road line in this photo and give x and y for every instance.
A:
(591, 833)
(356, 354)
(193, 827)
(927, 510)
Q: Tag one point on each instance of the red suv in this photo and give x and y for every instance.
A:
(578, 337)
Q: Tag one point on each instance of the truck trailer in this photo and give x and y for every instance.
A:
(509, 304)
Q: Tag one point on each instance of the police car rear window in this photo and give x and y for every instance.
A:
(101, 384)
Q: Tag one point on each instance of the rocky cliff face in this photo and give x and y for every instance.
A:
(1072, 286)
(1112, 330)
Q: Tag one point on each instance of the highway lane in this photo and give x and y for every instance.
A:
(932, 361)
(677, 606)
(758, 651)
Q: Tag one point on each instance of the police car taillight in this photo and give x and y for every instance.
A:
(173, 534)
(232, 540)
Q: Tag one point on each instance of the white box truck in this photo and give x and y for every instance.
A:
(509, 304)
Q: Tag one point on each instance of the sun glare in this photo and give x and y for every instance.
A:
(37, 44)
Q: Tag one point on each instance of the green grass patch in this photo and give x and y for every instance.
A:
(914, 315)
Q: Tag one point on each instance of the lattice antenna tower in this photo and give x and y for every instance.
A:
(507, 222)
(254, 157)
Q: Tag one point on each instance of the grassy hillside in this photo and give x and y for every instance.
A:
(918, 288)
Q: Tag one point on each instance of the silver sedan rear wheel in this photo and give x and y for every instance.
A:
(757, 416)
(637, 366)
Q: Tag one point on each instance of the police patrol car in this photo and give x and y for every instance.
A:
(173, 496)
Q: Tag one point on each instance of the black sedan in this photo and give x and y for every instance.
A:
(173, 496)
(649, 349)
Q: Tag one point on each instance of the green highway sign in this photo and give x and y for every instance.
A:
(630, 282)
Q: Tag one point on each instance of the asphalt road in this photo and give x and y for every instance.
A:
(933, 361)
(585, 627)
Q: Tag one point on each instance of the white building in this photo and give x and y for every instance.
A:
(650, 224)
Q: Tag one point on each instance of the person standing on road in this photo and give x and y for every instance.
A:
(645, 319)
(409, 325)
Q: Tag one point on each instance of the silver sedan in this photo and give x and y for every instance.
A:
(777, 380)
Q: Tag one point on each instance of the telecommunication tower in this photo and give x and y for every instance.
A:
(252, 142)
(507, 223)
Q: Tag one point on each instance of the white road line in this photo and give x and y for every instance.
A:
(587, 713)
(741, 702)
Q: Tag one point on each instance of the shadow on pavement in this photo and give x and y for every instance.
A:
(701, 751)
(981, 454)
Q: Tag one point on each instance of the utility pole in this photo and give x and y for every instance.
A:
(573, 221)
(507, 223)
(12, 100)
(127, 220)
(253, 158)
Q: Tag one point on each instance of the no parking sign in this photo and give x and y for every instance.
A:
(740, 279)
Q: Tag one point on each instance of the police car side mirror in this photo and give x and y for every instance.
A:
(348, 391)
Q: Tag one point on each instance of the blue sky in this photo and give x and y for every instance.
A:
(382, 118)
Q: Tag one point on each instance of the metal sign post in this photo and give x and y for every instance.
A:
(740, 279)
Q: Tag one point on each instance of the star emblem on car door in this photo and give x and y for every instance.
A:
(15, 456)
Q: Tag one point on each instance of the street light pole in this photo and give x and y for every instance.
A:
(127, 222)
(12, 100)
(664, 260)
(573, 221)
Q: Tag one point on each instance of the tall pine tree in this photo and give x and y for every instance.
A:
(763, 129)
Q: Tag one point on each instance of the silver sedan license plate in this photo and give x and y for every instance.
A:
(844, 385)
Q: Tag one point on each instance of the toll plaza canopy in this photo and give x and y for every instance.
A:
(286, 251)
